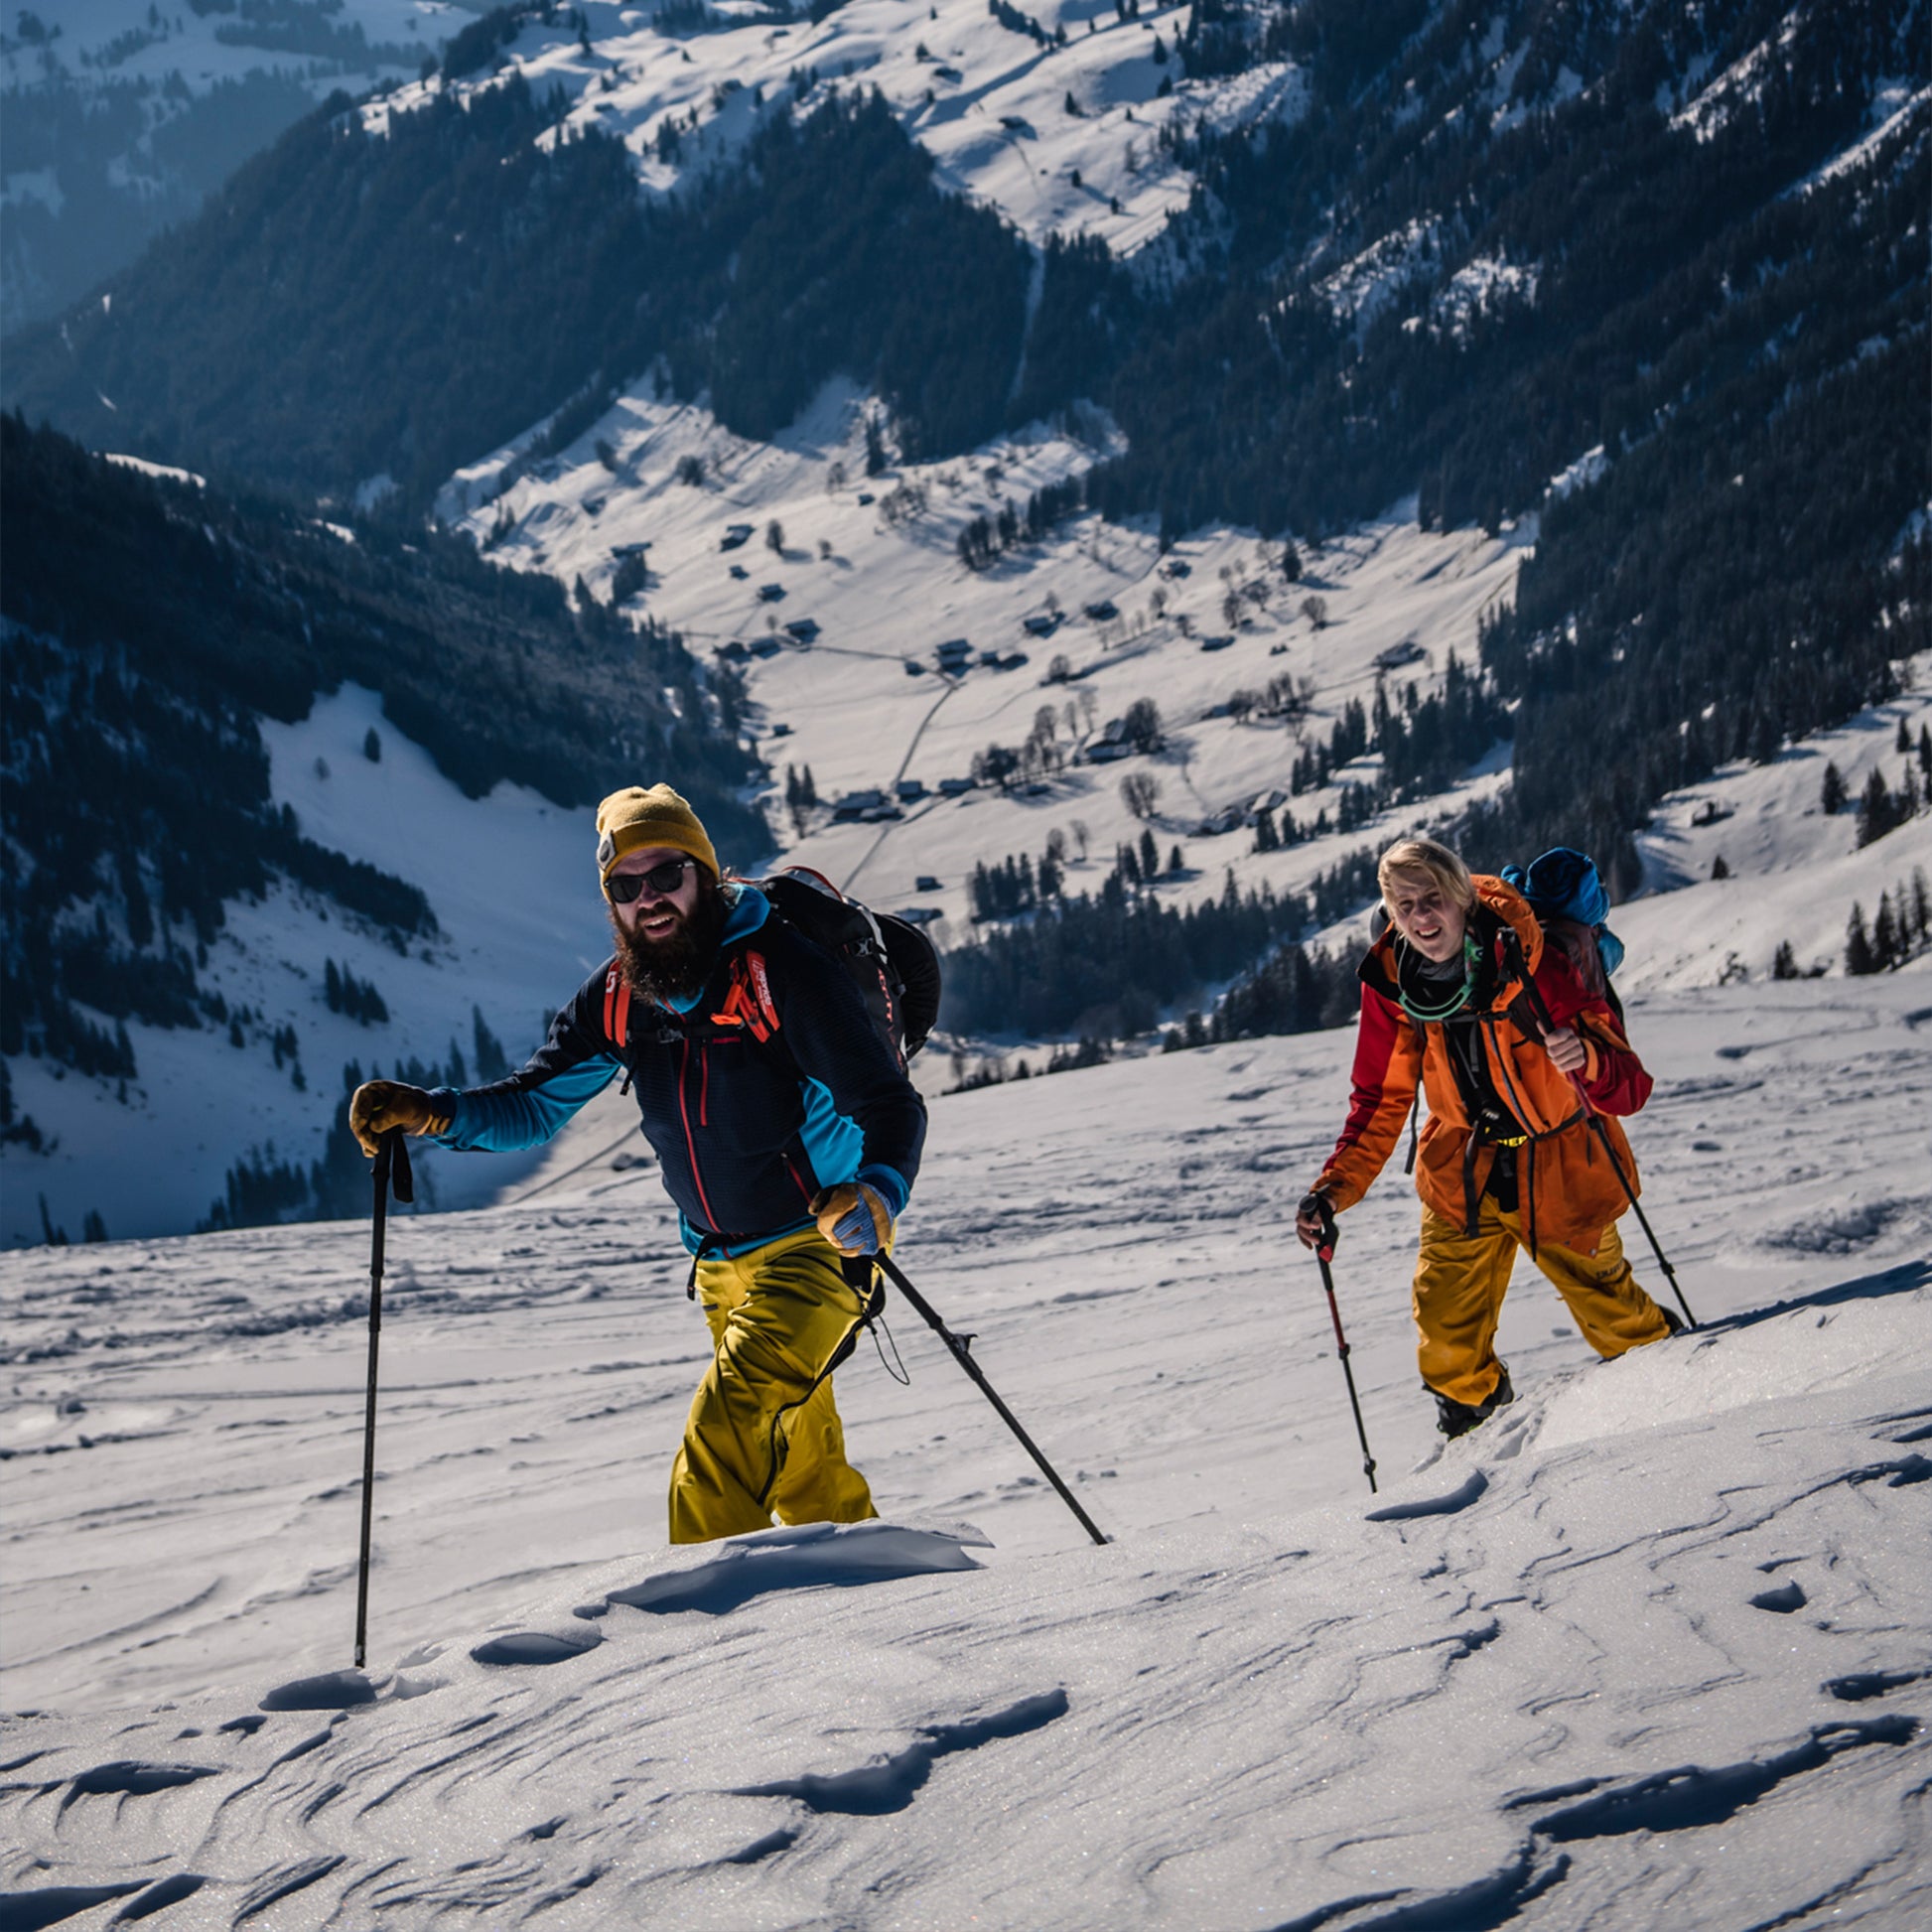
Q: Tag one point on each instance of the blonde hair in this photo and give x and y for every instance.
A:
(1426, 856)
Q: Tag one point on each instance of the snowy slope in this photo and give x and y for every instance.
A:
(1796, 871)
(884, 591)
(1650, 1649)
(139, 40)
(511, 880)
(986, 101)
(126, 112)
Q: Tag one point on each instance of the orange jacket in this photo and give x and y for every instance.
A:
(1567, 1188)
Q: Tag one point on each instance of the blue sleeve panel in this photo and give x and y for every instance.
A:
(503, 1118)
(573, 1065)
(864, 1119)
(837, 1146)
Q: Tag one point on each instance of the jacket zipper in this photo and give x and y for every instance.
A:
(690, 1141)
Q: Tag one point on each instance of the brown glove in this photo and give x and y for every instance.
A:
(853, 1217)
(378, 1105)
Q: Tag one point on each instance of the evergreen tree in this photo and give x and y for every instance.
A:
(1858, 957)
(1832, 794)
(1887, 946)
(1877, 810)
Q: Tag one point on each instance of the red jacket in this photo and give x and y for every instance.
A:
(1568, 1190)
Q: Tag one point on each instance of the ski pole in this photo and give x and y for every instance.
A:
(391, 1162)
(962, 1353)
(1630, 1194)
(1325, 1254)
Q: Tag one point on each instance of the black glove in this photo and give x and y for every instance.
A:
(1315, 1207)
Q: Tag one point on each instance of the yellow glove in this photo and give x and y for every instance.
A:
(378, 1105)
(853, 1217)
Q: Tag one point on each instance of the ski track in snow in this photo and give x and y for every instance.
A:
(1648, 1649)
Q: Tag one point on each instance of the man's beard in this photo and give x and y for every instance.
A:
(676, 966)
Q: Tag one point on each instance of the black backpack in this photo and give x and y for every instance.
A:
(893, 965)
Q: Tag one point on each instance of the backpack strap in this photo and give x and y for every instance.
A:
(749, 1003)
(616, 1007)
(1414, 1105)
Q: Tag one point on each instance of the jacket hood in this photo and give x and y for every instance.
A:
(1513, 909)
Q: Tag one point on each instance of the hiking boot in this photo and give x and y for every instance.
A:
(1455, 1418)
(1672, 1320)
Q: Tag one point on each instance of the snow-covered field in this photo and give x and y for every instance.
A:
(1648, 1650)
(863, 703)
(1064, 139)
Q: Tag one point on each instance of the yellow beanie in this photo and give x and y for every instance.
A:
(633, 819)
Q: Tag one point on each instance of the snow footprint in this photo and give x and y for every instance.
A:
(891, 1784)
(1460, 1497)
(537, 1646)
(335, 1690)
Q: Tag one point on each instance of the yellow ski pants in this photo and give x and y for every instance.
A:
(1460, 1280)
(762, 1439)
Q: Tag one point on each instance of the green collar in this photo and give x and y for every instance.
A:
(1456, 1001)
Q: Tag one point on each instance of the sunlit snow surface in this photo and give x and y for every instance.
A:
(1648, 1650)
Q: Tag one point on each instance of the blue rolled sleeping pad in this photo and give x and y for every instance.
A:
(1564, 883)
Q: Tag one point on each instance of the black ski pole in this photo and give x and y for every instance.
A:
(962, 1353)
(1326, 1254)
(1630, 1194)
(391, 1162)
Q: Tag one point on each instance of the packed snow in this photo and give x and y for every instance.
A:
(1647, 1649)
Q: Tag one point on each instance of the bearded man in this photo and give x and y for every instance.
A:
(787, 1131)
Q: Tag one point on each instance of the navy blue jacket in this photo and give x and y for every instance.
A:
(746, 1132)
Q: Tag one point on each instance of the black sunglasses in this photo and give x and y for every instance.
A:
(663, 880)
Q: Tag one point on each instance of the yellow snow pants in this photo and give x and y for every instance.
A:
(1460, 1280)
(762, 1439)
